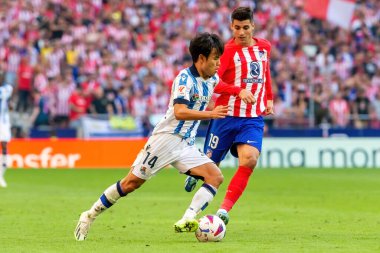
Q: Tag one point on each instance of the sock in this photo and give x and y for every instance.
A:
(200, 201)
(108, 198)
(236, 187)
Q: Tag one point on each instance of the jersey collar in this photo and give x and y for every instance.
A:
(232, 41)
(194, 71)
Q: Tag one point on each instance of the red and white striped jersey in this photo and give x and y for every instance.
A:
(247, 68)
(340, 112)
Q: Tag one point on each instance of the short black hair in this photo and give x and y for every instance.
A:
(241, 14)
(203, 43)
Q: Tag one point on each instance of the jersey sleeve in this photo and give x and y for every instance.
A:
(228, 89)
(268, 80)
(181, 89)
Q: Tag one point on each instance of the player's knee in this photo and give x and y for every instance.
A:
(214, 179)
(219, 179)
(249, 161)
(253, 162)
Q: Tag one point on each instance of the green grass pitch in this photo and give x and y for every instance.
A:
(283, 210)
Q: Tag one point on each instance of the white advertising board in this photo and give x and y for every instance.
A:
(315, 153)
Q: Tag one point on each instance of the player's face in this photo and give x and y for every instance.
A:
(242, 32)
(211, 64)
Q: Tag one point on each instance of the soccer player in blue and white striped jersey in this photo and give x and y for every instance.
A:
(5, 127)
(172, 140)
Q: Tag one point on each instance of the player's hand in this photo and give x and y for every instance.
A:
(219, 112)
(269, 110)
(247, 96)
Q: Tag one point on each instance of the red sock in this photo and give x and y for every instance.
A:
(236, 187)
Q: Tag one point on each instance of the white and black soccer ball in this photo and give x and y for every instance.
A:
(211, 229)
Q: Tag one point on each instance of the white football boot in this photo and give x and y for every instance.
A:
(83, 226)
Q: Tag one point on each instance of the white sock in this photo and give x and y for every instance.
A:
(108, 198)
(200, 201)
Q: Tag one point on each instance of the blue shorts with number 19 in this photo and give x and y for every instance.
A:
(225, 134)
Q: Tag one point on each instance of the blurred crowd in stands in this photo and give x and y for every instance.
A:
(67, 58)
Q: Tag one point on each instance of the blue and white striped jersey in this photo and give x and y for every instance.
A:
(5, 94)
(191, 89)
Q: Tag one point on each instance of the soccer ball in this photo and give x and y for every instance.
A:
(211, 229)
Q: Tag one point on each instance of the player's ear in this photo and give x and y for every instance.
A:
(202, 58)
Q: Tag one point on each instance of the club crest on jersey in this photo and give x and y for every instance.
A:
(262, 55)
(143, 171)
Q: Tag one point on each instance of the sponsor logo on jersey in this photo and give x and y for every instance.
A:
(181, 91)
(196, 97)
(255, 71)
(253, 80)
(255, 68)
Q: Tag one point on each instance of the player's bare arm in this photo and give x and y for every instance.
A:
(181, 112)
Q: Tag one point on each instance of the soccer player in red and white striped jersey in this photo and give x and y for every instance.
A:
(245, 64)
(246, 67)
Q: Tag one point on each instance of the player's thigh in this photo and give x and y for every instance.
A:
(207, 170)
(220, 137)
(159, 151)
(190, 157)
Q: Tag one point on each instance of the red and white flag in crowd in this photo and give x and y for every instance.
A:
(338, 12)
